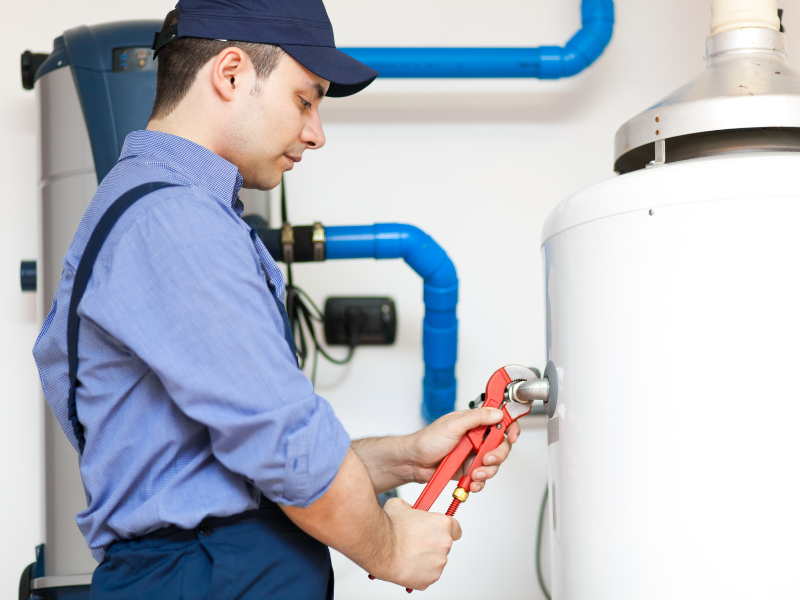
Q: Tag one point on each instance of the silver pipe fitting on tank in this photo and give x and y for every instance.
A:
(527, 392)
(544, 389)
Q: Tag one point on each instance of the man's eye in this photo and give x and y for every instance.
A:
(305, 103)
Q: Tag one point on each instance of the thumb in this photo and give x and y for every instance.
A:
(477, 416)
(396, 503)
(455, 529)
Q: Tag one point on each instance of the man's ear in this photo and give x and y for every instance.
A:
(230, 66)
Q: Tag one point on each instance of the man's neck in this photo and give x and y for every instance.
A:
(178, 125)
(171, 127)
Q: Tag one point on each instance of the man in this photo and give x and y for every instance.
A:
(211, 468)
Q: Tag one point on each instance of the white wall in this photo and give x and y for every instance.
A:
(476, 164)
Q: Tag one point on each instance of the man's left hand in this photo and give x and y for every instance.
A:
(431, 444)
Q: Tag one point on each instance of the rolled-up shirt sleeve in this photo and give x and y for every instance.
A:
(189, 297)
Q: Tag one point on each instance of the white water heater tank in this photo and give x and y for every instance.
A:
(673, 318)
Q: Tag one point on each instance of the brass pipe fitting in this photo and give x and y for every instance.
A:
(461, 494)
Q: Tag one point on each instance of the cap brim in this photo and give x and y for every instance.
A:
(347, 75)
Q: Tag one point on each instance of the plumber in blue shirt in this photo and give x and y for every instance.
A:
(211, 468)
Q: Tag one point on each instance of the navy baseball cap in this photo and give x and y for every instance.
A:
(301, 28)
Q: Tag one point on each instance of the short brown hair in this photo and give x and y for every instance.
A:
(180, 60)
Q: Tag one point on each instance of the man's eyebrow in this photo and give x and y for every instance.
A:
(316, 87)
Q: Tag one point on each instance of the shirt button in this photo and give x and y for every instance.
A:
(205, 529)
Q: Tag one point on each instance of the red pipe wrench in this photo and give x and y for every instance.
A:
(481, 439)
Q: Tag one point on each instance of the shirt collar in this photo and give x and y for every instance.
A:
(198, 164)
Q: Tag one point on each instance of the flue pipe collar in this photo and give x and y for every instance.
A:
(727, 15)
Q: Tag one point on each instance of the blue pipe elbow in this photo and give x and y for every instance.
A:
(440, 327)
(546, 62)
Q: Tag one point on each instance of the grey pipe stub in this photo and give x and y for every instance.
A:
(551, 375)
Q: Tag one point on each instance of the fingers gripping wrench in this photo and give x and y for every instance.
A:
(481, 439)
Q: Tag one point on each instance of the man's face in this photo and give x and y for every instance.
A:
(276, 122)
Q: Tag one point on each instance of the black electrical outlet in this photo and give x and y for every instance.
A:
(360, 321)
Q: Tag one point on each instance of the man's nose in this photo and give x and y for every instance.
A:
(312, 135)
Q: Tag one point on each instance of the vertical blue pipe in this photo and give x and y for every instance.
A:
(545, 62)
(440, 327)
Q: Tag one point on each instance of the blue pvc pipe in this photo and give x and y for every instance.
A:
(545, 62)
(440, 327)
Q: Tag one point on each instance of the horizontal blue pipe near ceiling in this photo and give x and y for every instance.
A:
(545, 62)
(440, 327)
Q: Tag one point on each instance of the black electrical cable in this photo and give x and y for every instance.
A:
(539, 546)
(303, 314)
(284, 216)
(301, 303)
(284, 220)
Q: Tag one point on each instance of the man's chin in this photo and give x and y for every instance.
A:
(270, 186)
(269, 176)
(263, 185)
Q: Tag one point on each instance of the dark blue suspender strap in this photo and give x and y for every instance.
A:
(82, 276)
(84, 273)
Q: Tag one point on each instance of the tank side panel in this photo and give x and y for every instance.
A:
(65, 146)
(676, 336)
(67, 184)
(65, 546)
(64, 201)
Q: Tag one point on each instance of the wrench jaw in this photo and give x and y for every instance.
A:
(514, 406)
(516, 410)
(516, 375)
(519, 373)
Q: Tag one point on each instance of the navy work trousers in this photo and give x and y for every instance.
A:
(257, 555)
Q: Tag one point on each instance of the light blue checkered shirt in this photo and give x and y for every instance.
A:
(187, 385)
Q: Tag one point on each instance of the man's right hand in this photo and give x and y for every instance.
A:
(399, 544)
(422, 542)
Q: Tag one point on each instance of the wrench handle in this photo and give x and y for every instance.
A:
(444, 474)
(493, 440)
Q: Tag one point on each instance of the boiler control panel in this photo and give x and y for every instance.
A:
(124, 60)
